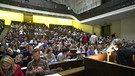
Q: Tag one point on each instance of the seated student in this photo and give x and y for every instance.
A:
(15, 48)
(19, 60)
(2, 51)
(9, 68)
(91, 50)
(50, 56)
(38, 66)
(28, 55)
(63, 55)
(11, 53)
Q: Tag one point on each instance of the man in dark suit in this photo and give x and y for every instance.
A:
(124, 56)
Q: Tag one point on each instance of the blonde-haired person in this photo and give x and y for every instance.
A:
(91, 50)
(9, 68)
(19, 60)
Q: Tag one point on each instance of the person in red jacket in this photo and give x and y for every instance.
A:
(9, 68)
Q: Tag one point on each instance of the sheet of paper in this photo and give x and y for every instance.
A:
(56, 74)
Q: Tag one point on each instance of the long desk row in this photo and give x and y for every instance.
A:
(65, 65)
(96, 65)
(102, 68)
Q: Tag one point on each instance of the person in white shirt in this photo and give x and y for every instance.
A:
(63, 55)
(24, 44)
(50, 57)
(93, 39)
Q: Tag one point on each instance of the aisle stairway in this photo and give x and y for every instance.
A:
(4, 32)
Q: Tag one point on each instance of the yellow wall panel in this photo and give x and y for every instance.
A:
(84, 27)
(8, 16)
(97, 30)
(51, 20)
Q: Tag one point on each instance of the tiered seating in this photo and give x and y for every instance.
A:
(57, 32)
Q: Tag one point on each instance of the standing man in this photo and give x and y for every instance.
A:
(63, 55)
(38, 66)
(93, 39)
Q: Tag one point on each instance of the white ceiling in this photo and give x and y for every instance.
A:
(111, 16)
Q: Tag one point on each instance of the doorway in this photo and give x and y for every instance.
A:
(106, 30)
(28, 18)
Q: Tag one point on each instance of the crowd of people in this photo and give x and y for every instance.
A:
(36, 46)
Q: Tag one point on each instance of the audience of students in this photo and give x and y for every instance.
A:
(54, 44)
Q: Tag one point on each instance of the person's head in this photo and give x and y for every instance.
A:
(7, 63)
(2, 48)
(49, 50)
(94, 33)
(10, 51)
(18, 58)
(91, 47)
(3, 42)
(65, 51)
(14, 47)
(117, 43)
(30, 48)
(36, 54)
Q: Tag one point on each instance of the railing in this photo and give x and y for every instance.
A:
(103, 8)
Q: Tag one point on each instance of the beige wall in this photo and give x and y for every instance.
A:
(124, 28)
(51, 20)
(128, 28)
(116, 28)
